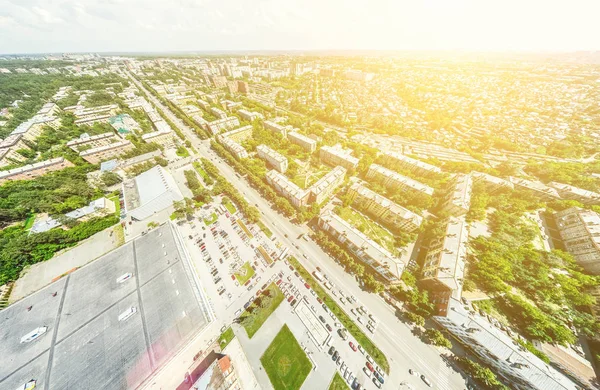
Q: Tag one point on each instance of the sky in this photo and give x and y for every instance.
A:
(54, 26)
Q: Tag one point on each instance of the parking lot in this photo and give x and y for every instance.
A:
(225, 255)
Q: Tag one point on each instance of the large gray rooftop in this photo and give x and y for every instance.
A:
(86, 346)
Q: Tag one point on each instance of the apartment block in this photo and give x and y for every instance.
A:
(10, 156)
(161, 137)
(325, 186)
(444, 265)
(203, 104)
(106, 152)
(284, 186)
(417, 166)
(240, 134)
(276, 160)
(14, 141)
(276, 128)
(365, 249)
(458, 200)
(574, 193)
(31, 171)
(540, 190)
(307, 143)
(492, 183)
(218, 113)
(225, 124)
(580, 232)
(395, 180)
(91, 119)
(384, 210)
(250, 115)
(336, 155)
(234, 148)
(85, 141)
(81, 112)
(518, 367)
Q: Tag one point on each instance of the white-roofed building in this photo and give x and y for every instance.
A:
(458, 200)
(575, 193)
(368, 251)
(336, 155)
(149, 193)
(384, 210)
(395, 180)
(276, 128)
(95, 208)
(296, 195)
(580, 232)
(417, 166)
(224, 124)
(444, 266)
(106, 152)
(31, 171)
(85, 141)
(276, 160)
(492, 183)
(540, 190)
(307, 143)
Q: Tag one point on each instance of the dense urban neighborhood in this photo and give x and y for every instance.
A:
(287, 222)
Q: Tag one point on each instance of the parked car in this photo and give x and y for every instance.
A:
(370, 367)
(291, 298)
(328, 327)
(376, 383)
(307, 285)
(322, 319)
(352, 346)
(331, 350)
(425, 379)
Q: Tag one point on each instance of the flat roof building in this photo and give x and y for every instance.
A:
(124, 124)
(513, 363)
(307, 143)
(218, 113)
(10, 156)
(336, 155)
(580, 232)
(149, 193)
(297, 196)
(395, 180)
(540, 190)
(240, 134)
(85, 141)
(106, 152)
(383, 209)
(160, 137)
(225, 124)
(444, 266)
(492, 183)
(276, 128)
(325, 186)
(579, 194)
(250, 115)
(417, 166)
(275, 160)
(31, 171)
(367, 250)
(95, 208)
(458, 200)
(238, 151)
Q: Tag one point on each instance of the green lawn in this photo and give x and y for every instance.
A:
(253, 318)
(115, 200)
(374, 231)
(228, 205)
(29, 222)
(226, 338)
(200, 170)
(211, 220)
(265, 229)
(338, 383)
(285, 362)
(182, 152)
(348, 323)
(244, 273)
(305, 179)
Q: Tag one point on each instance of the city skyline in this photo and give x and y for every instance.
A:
(35, 26)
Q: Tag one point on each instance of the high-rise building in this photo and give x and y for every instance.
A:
(218, 81)
(580, 232)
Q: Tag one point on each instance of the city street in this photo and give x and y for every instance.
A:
(395, 339)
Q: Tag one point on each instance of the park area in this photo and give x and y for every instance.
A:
(244, 273)
(257, 313)
(371, 229)
(285, 362)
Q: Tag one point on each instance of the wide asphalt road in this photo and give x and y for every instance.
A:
(402, 348)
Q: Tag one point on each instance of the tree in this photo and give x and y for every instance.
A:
(415, 318)
(110, 178)
(436, 337)
(372, 285)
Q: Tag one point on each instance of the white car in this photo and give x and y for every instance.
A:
(367, 372)
(360, 320)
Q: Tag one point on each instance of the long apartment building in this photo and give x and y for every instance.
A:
(580, 232)
(538, 189)
(225, 124)
(31, 171)
(276, 160)
(515, 365)
(305, 142)
(492, 183)
(458, 200)
(106, 152)
(395, 180)
(234, 148)
(86, 141)
(574, 193)
(250, 115)
(316, 193)
(231, 141)
(336, 155)
(384, 210)
(365, 249)
(297, 196)
(218, 113)
(276, 128)
(444, 265)
(10, 156)
(417, 166)
(109, 109)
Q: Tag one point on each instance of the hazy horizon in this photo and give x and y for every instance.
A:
(156, 26)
